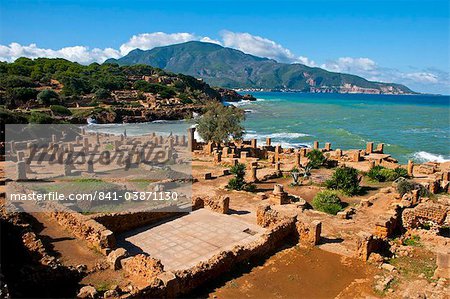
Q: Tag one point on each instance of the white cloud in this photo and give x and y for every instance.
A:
(260, 46)
(79, 54)
(422, 77)
(350, 65)
(147, 41)
(432, 80)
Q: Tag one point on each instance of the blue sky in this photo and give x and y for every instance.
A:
(404, 41)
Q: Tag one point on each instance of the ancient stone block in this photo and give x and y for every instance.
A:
(21, 169)
(254, 178)
(380, 148)
(410, 168)
(316, 145)
(328, 146)
(115, 256)
(244, 155)
(443, 265)
(356, 156)
(268, 141)
(309, 233)
(369, 148)
(278, 196)
(254, 143)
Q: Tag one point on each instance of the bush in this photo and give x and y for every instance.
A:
(40, 118)
(60, 110)
(382, 174)
(345, 179)
(48, 97)
(316, 158)
(327, 201)
(102, 94)
(405, 186)
(238, 182)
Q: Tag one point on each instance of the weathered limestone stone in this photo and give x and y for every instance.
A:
(78, 140)
(90, 166)
(328, 146)
(371, 164)
(86, 143)
(254, 143)
(21, 168)
(183, 140)
(303, 152)
(67, 168)
(177, 140)
(209, 148)
(338, 153)
(446, 176)
(268, 141)
(217, 157)
(309, 233)
(54, 140)
(20, 156)
(434, 186)
(278, 166)
(191, 139)
(410, 168)
(298, 159)
(278, 195)
(254, 177)
(277, 153)
(225, 151)
(244, 155)
(356, 156)
(115, 256)
(380, 148)
(12, 147)
(87, 292)
(443, 265)
(316, 145)
(369, 147)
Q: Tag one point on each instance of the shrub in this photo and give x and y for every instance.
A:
(327, 201)
(60, 110)
(316, 158)
(345, 179)
(405, 186)
(48, 97)
(382, 174)
(102, 94)
(39, 118)
(238, 182)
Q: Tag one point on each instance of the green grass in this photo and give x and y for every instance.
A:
(411, 267)
(412, 241)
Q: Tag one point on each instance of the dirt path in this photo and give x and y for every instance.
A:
(299, 273)
(69, 249)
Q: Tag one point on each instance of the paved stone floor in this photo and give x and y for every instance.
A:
(185, 241)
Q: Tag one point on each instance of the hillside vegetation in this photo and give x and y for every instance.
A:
(43, 89)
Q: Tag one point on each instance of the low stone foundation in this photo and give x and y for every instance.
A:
(424, 212)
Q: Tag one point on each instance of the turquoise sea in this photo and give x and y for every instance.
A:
(412, 127)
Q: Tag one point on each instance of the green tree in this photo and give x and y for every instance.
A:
(315, 158)
(345, 179)
(237, 182)
(219, 123)
(48, 97)
(17, 96)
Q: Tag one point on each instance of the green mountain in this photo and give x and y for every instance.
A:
(230, 68)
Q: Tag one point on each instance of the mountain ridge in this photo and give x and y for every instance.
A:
(231, 68)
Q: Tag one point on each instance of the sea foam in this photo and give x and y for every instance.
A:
(423, 156)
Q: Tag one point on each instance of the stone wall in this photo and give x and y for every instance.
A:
(424, 212)
(81, 226)
(142, 266)
(173, 284)
(125, 221)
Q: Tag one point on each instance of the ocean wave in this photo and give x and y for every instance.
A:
(423, 156)
(282, 135)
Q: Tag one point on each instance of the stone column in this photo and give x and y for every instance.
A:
(86, 144)
(356, 156)
(328, 146)
(338, 154)
(21, 171)
(20, 156)
(380, 148)
(371, 164)
(217, 157)
(254, 177)
(208, 148)
(191, 139)
(183, 140)
(234, 162)
(225, 152)
(90, 166)
(369, 148)
(254, 143)
(277, 153)
(97, 137)
(316, 145)
(13, 147)
(278, 166)
(410, 168)
(268, 141)
(244, 155)
(54, 138)
(298, 159)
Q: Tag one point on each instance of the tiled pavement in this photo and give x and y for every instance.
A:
(185, 241)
